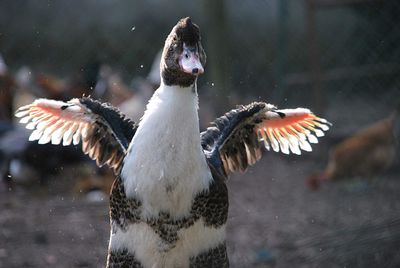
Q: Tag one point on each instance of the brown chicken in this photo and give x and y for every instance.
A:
(79, 84)
(93, 179)
(7, 85)
(52, 86)
(367, 153)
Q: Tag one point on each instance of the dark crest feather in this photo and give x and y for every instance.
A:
(188, 32)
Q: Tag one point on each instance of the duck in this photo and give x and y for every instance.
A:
(169, 201)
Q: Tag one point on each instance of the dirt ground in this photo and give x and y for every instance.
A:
(274, 221)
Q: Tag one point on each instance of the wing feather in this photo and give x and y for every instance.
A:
(296, 128)
(104, 132)
(237, 137)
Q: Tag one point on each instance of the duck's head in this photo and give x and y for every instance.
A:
(183, 57)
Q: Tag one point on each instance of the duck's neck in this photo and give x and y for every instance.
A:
(173, 101)
(173, 112)
(165, 165)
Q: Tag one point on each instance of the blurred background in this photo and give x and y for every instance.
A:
(340, 58)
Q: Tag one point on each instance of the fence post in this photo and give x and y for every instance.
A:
(282, 44)
(313, 54)
(217, 49)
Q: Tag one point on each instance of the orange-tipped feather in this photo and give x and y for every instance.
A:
(291, 129)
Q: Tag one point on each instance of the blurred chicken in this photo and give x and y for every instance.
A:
(19, 157)
(134, 106)
(7, 85)
(51, 85)
(95, 184)
(82, 83)
(7, 92)
(111, 87)
(142, 89)
(26, 90)
(366, 154)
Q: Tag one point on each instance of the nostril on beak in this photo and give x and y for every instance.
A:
(195, 70)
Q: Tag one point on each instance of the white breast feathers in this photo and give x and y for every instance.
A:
(165, 166)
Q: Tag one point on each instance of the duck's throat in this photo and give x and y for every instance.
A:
(176, 77)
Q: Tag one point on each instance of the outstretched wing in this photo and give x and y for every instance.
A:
(104, 132)
(235, 140)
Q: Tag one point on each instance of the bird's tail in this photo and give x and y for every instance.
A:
(314, 181)
(395, 121)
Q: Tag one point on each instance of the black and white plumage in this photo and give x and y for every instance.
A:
(169, 202)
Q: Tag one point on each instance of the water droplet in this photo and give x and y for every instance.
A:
(161, 175)
(141, 66)
(133, 28)
(212, 84)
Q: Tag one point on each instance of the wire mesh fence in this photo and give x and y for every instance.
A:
(349, 48)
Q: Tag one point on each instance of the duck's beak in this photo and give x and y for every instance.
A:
(189, 61)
